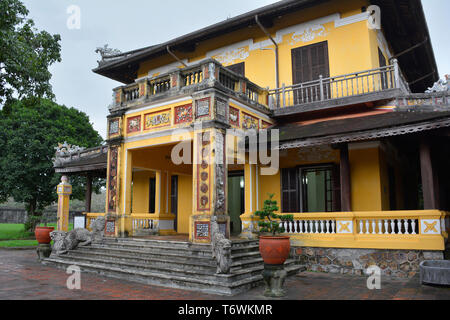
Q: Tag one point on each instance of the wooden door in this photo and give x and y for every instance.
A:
(174, 200)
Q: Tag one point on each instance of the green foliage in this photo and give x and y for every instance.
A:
(29, 132)
(25, 54)
(270, 220)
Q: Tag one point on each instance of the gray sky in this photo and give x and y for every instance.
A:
(133, 24)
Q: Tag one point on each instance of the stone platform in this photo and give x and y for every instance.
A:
(170, 263)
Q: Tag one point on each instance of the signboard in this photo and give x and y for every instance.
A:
(79, 222)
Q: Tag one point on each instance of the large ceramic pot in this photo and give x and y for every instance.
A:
(43, 234)
(274, 250)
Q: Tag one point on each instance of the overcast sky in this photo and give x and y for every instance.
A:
(133, 24)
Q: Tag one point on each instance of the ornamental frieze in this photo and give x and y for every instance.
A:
(157, 119)
(249, 122)
(134, 124)
(183, 114)
(204, 172)
(202, 108)
(114, 127)
(234, 117)
(112, 180)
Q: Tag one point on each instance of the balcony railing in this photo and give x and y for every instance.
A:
(343, 86)
(181, 81)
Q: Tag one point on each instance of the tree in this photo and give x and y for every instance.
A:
(29, 132)
(270, 221)
(25, 55)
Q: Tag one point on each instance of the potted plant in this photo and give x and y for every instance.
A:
(273, 247)
(43, 233)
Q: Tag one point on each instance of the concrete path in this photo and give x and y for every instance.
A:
(22, 277)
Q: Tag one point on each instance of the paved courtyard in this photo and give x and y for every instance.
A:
(22, 277)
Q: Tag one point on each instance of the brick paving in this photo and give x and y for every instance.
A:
(22, 277)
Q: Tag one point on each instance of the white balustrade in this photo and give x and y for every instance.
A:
(142, 224)
(388, 226)
(309, 226)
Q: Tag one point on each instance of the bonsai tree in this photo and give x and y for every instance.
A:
(270, 220)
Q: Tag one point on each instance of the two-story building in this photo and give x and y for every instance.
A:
(360, 155)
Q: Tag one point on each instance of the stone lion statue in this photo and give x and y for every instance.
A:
(66, 241)
(221, 248)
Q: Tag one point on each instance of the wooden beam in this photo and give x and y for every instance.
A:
(346, 204)
(88, 203)
(429, 183)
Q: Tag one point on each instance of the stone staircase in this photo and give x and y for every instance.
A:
(171, 264)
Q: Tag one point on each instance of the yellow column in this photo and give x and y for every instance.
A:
(249, 220)
(64, 191)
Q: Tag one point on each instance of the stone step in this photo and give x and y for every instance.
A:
(237, 245)
(233, 284)
(182, 254)
(178, 256)
(181, 271)
(215, 286)
(175, 261)
(196, 264)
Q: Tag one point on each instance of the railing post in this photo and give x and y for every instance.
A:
(284, 95)
(396, 74)
(322, 96)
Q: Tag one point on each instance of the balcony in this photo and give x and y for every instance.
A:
(182, 82)
(324, 93)
(354, 88)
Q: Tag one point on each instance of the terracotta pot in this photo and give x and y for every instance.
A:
(274, 250)
(43, 234)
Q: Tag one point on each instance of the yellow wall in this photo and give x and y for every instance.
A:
(184, 203)
(141, 191)
(366, 180)
(352, 47)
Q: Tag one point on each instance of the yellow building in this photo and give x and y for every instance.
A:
(335, 79)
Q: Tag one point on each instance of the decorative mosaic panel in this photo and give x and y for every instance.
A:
(249, 122)
(110, 228)
(202, 108)
(204, 172)
(112, 179)
(202, 230)
(157, 119)
(234, 117)
(134, 124)
(183, 114)
(221, 109)
(114, 127)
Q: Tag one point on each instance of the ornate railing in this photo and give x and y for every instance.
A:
(142, 222)
(414, 230)
(343, 86)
